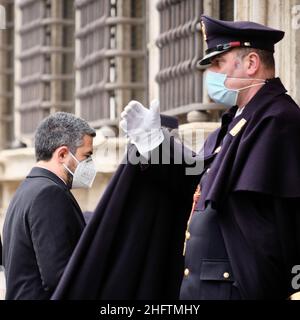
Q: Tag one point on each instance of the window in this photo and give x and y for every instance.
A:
(46, 79)
(181, 46)
(227, 10)
(110, 62)
(7, 77)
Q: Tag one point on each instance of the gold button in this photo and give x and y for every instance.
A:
(186, 272)
(187, 235)
(218, 150)
(226, 275)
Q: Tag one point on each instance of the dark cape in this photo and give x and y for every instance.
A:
(132, 248)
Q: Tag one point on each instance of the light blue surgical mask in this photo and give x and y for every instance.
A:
(215, 83)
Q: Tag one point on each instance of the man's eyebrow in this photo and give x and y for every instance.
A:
(217, 59)
(222, 58)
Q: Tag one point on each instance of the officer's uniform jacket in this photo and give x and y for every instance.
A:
(253, 184)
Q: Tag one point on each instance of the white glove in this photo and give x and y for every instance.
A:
(142, 125)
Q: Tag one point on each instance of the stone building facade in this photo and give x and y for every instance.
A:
(91, 57)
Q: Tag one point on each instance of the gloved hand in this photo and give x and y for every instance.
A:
(142, 125)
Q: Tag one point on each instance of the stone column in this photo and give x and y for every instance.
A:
(17, 74)
(212, 9)
(123, 64)
(3, 87)
(56, 57)
(295, 42)
(153, 28)
(283, 15)
(77, 58)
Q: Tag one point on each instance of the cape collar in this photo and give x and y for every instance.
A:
(269, 91)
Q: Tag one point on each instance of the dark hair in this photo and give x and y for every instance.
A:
(60, 129)
(266, 57)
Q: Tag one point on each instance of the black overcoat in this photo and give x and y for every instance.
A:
(42, 226)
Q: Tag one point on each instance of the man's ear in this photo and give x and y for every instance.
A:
(61, 153)
(253, 63)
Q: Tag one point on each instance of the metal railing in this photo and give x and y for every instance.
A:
(46, 58)
(110, 62)
(181, 47)
(7, 76)
(111, 58)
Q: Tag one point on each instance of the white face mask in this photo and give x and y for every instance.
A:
(219, 93)
(84, 174)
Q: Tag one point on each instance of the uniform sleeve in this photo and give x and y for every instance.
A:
(53, 227)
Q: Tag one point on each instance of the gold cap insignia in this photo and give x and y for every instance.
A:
(203, 30)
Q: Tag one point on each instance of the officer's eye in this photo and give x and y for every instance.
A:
(216, 60)
(215, 63)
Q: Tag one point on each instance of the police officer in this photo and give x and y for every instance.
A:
(242, 239)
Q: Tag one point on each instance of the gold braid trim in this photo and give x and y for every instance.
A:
(196, 198)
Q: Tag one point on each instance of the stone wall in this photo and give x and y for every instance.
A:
(284, 15)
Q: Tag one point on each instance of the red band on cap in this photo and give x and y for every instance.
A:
(235, 44)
